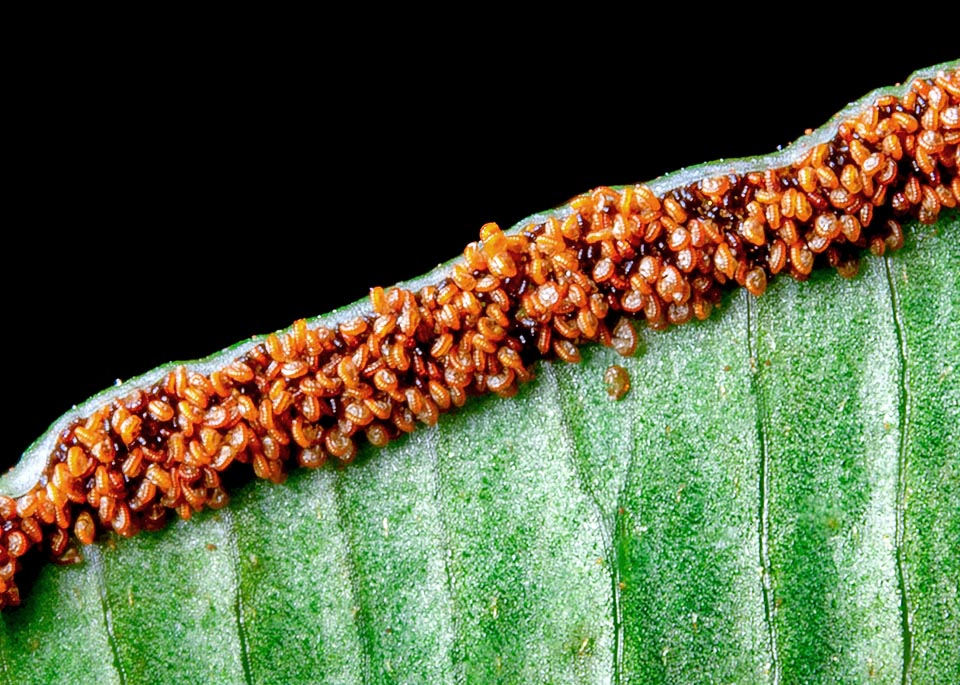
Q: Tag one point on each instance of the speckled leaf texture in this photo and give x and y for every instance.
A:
(776, 500)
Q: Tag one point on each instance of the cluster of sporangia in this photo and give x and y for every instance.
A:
(309, 394)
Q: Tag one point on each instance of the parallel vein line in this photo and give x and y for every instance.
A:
(608, 531)
(227, 517)
(355, 586)
(906, 626)
(96, 562)
(456, 657)
(764, 496)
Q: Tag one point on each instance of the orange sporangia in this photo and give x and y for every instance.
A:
(311, 393)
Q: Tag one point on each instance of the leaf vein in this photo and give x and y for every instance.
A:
(95, 560)
(457, 658)
(238, 607)
(763, 527)
(903, 387)
(607, 531)
(355, 588)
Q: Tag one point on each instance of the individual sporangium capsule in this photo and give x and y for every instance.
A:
(617, 381)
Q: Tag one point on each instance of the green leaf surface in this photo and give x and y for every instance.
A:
(775, 500)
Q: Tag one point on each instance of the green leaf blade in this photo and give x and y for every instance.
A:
(64, 637)
(926, 280)
(532, 595)
(685, 514)
(296, 597)
(830, 401)
(404, 608)
(566, 536)
(172, 601)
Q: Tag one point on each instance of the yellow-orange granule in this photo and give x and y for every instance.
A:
(310, 394)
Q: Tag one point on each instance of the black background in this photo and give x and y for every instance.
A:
(164, 209)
